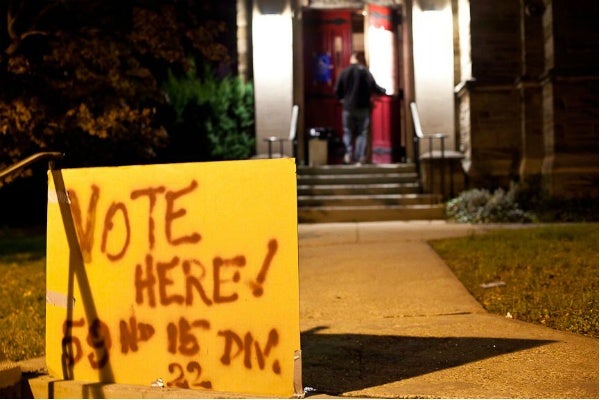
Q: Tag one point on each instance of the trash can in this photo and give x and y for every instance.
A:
(317, 152)
(317, 146)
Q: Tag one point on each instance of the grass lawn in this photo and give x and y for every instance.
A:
(23, 293)
(550, 276)
(543, 274)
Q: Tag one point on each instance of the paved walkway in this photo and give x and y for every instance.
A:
(383, 316)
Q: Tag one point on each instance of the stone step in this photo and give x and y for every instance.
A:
(358, 189)
(357, 169)
(356, 178)
(346, 193)
(370, 213)
(366, 200)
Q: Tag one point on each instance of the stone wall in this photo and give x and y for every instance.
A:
(491, 131)
(496, 41)
(490, 105)
(530, 112)
(570, 167)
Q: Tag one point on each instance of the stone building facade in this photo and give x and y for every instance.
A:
(526, 88)
(528, 108)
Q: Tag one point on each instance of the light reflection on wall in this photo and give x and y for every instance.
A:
(464, 22)
(434, 69)
(381, 48)
(273, 75)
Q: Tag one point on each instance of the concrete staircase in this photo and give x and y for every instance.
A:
(374, 192)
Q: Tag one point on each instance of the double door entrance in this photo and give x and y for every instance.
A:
(330, 36)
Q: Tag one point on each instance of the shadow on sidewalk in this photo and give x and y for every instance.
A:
(338, 363)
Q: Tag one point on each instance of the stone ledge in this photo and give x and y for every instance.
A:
(10, 374)
(46, 387)
(10, 378)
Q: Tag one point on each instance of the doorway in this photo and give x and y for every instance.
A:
(330, 36)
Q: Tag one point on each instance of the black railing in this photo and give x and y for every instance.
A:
(52, 156)
(444, 158)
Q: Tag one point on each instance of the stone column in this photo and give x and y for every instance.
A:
(570, 166)
(489, 103)
(243, 38)
(533, 85)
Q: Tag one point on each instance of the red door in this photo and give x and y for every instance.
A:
(327, 49)
(385, 130)
(382, 49)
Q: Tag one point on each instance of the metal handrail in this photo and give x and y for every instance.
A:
(18, 166)
(419, 135)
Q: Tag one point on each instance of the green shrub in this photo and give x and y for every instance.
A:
(482, 206)
(214, 118)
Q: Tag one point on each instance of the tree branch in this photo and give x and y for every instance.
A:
(12, 16)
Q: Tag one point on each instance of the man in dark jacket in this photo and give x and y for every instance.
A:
(354, 88)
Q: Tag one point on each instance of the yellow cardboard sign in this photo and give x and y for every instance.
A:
(187, 273)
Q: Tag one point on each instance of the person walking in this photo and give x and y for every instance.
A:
(354, 87)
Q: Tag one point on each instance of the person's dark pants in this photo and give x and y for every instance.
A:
(356, 122)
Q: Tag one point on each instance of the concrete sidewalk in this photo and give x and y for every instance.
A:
(383, 316)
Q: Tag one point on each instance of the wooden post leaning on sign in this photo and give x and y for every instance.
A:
(187, 273)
